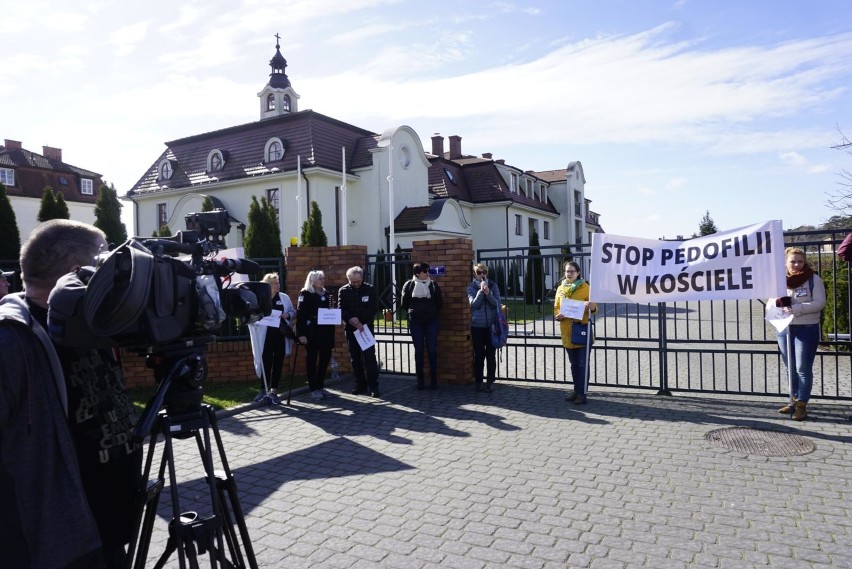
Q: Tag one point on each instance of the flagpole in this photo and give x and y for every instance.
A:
(298, 194)
(392, 242)
(344, 223)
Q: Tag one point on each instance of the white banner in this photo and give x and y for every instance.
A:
(744, 263)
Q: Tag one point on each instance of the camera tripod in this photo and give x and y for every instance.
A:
(219, 534)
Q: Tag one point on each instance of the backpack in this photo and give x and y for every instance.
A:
(500, 330)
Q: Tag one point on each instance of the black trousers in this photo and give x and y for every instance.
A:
(364, 364)
(316, 361)
(483, 353)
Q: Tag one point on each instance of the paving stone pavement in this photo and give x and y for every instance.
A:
(521, 478)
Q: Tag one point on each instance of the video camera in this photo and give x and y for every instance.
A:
(141, 297)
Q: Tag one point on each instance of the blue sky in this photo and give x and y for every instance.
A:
(674, 108)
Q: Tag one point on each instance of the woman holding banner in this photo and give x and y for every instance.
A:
(799, 341)
(573, 287)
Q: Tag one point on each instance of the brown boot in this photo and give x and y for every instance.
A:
(788, 408)
(800, 412)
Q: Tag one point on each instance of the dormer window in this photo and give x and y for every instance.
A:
(270, 102)
(165, 170)
(86, 187)
(450, 176)
(215, 161)
(274, 150)
(285, 103)
(7, 177)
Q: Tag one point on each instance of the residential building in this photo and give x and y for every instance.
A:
(26, 174)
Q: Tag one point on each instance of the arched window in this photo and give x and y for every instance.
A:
(270, 102)
(215, 161)
(274, 150)
(285, 103)
(165, 170)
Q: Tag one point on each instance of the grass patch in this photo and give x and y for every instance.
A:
(219, 395)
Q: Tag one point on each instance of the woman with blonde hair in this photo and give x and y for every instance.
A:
(484, 298)
(798, 342)
(278, 341)
(318, 340)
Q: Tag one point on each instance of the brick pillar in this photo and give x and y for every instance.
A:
(333, 261)
(455, 351)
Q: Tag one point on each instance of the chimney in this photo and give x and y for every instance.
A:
(487, 155)
(501, 161)
(455, 147)
(12, 144)
(52, 153)
(438, 145)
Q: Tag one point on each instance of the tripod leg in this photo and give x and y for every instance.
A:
(229, 485)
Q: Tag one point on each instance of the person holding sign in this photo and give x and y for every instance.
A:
(571, 308)
(798, 342)
(317, 338)
(278, 341)
(358, 304)
(421, 297)
(484, 298)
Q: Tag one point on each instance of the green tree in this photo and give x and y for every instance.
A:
(47, 207)
(313, 234)
(207, 204)
(263, 239)
(164, 231)
(10, 236)
(707, 225)
(108, 215)
(534, 277)
(61, 207)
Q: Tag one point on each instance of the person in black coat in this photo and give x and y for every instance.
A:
(358, 304)
(317, 339)
(421, 297)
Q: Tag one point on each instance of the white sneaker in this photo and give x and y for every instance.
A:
(317, 394)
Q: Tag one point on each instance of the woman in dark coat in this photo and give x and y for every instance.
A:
(317, 339)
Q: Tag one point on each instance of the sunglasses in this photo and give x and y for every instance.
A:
(481, 272)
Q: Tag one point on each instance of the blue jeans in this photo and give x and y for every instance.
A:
(425, 332)
(805, 341)
(577, 359)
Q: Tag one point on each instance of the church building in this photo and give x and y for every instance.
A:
(375, 189)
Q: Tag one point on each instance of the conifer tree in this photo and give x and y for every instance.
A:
(263, 238)
(10, 236)
(165, 231)
(61, 207)
(313, 234)
(534, 278)
(47, 208)
(207, 204)
(108, 215)
(707, 225)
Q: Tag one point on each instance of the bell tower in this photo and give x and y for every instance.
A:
(278, 97)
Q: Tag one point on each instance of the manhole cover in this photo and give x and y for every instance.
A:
(764, 443)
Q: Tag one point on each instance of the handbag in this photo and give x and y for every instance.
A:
(580, 334)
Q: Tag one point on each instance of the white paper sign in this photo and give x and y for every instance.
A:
(775, 316)
(329, 316)
(365, 338)
(572, 308)
(273, 320)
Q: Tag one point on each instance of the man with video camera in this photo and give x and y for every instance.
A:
(69, 471)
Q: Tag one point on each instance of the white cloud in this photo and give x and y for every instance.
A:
(799, 162)
(675, 183)
(126, 38)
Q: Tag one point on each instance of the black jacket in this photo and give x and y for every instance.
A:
(307, 309)
(422, 309)
(361, 302)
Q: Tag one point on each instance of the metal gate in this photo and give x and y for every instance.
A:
(709, 346)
